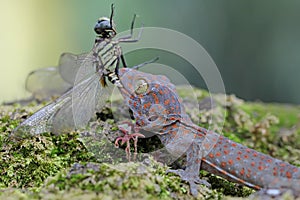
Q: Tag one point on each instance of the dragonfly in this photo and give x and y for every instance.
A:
(85, 82)
(54, 81)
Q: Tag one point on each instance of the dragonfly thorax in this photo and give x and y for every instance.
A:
(105, 28)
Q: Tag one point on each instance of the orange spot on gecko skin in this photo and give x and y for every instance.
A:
(147, 105)
(207, 146)
(174, 126)
(248, 175)
(255, 154)
(230, 161)
(167, 102)
(226, 152)
(156, 100)
(248, 150)
(172, 132)
(129, 85)
(239, 152)
(260, 168)
(288, 174)
(262, 157)
(142, 123)
(173, 99)
(186, 131)
(252, 164)
(242, 172)
(211, 155)
(281, 170)
(269, 160)
(218, 154)
(223, 164)
(282, 164)
(233, 144)
(225, 146)
(238, 158)
(295, 170)
(246, 156)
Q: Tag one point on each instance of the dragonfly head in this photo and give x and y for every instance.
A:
(105, 28)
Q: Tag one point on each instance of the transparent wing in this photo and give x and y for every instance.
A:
(82, 95)
(45, 83)
(58, 116)
(90, 96)
(69, 65)
(42, 120)
(54, 81)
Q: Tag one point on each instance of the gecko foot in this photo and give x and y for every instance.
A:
(127, 135)
(193, 180)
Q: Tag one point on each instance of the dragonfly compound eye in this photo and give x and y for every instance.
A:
(103, 26)
(141, 86)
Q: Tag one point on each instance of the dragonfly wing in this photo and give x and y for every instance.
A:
(45, 83)
(84, 97)
(63, 120)
(41, 121)
(69, 65)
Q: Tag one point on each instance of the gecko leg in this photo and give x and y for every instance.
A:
(191, 172)
(130, 132)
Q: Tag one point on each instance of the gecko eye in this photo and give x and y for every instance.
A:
(141, 86)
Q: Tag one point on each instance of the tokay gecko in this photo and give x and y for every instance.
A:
(157, 107)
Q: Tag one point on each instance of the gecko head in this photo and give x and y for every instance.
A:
(137, 82)
(149, 96)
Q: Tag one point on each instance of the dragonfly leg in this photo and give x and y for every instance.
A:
(128, 38)
(145, 63)
(112, 13)
(123, 61)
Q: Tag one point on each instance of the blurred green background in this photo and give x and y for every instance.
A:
(255, 43)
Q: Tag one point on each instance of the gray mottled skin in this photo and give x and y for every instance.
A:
(157, 107)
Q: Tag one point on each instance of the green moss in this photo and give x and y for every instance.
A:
(42, 167)
(27, 163)
(126, 180)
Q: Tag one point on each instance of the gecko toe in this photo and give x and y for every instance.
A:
(202, 181)
(192, 180)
